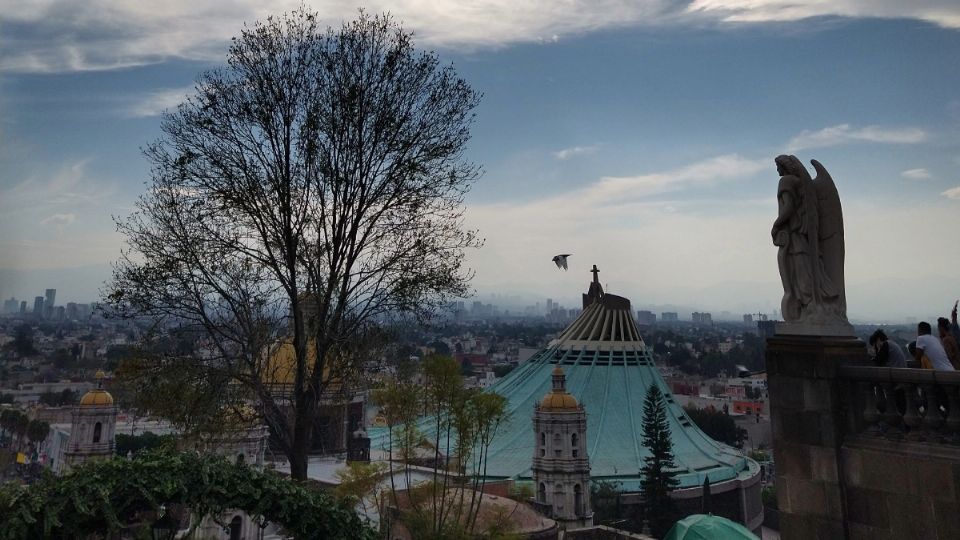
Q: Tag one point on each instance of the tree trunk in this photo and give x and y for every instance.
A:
(302, 436)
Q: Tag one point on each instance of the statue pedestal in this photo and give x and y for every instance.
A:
(808, 423)
(834, 330)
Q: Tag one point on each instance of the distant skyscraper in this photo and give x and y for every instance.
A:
(766, 328)
(646, 318)
(748, 319)
(23, 307)
(10, 306)
(669, 316)
(72, 311)
(51, 298)
(702, 318)
(38, 307)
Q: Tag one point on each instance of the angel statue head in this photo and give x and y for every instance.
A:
(791, 165)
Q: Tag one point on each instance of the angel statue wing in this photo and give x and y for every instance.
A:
(828, 203)
(830, 230)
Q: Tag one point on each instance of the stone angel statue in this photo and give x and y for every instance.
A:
(809, 234)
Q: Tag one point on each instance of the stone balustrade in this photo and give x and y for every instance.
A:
(919, 405)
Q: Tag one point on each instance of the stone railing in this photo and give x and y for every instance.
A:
(897, 403)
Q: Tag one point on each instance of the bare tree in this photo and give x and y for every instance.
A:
(309, 188)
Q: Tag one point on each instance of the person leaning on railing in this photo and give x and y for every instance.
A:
(950, 337)
(929, 351)
(920, 360)
(887, 354)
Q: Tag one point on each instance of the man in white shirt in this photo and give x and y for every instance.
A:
(932, 348)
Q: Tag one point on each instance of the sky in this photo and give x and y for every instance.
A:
(637, 135)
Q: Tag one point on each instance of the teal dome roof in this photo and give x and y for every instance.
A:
(708, 527)
(608, 370)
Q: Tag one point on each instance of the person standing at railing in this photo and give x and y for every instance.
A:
(949, 342)
(929, 345)
(887, 354)
(920, 360)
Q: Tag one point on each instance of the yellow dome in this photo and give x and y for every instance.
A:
(559, 401)
(96, 398)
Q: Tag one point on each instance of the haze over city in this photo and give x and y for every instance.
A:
(638, 136)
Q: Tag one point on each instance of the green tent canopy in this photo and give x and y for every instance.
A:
(708, 527)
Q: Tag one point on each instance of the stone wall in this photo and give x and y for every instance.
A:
(834, 481)
(897, 489)
(808, 424)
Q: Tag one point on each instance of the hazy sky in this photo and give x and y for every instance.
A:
(637, 135)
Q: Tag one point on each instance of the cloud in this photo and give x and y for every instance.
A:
(945, 13)
(952, 193)
(59, 220)
(67, 186)
(65, 35)
(154, 103)
(916, 174)
(574, 151)
(612, 189)
(844, 133)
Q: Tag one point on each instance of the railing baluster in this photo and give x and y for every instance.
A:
(891, 414)
(916, 404)
(870, 413)
(911, 418)
(952, 423)
(931, 414)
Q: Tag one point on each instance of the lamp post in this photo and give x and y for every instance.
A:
(164, 527)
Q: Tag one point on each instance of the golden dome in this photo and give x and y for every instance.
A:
(559, 401)
(97, 397)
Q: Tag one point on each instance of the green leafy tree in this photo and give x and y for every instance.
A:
(7, 420)
(454, 424)
(37, 431)
(101, 498)
(605, 501)
(22, 343)
(501, 370)
(440, 347)
(718, 425)
(20, 424)
(658, 474)
(360, 484)
(134, 444)
(304, 192)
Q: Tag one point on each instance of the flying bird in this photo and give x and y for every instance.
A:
(561, 260)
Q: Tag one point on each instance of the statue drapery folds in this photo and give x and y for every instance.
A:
(809, 234)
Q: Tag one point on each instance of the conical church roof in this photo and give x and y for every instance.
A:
(608, 370)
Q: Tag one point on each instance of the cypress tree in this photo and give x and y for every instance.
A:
(658, 475)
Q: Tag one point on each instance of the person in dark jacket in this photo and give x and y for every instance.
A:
(887, 354)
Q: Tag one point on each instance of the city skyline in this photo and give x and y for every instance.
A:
(638, 137)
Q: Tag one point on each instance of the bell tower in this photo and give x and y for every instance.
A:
(561, 467)
(92, 429)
